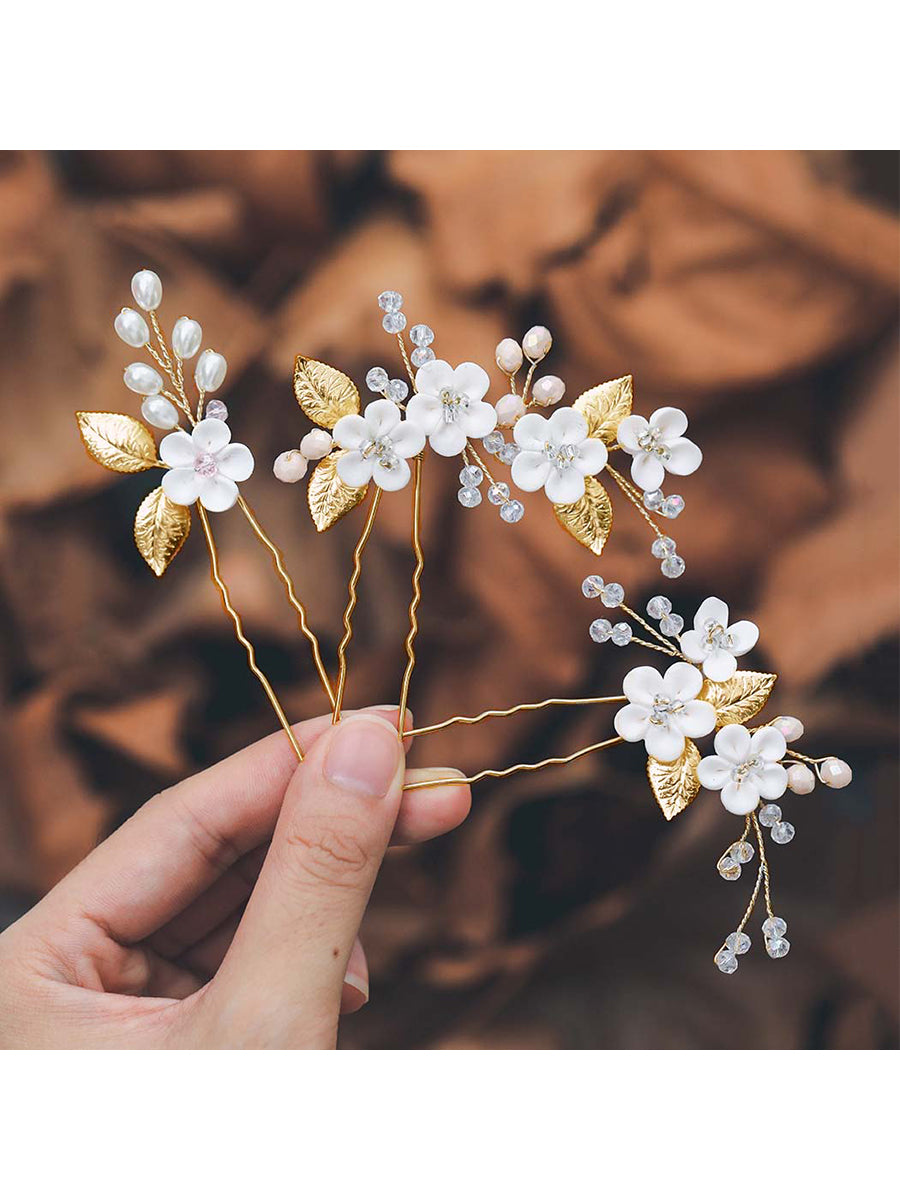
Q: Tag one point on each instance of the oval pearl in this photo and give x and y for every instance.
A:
(790, 728)
(508, 355)
(210, 371)
(316, 444)
(132, 328)
(186, 337)
(800, 779)
(509, 409)
(835, 772)
(537, 342)
(289, 467)
(159, 411)
(142, 379)
(146, 287)
(549, 389)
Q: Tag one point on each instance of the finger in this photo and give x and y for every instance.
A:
(283, 976)
(429, 812)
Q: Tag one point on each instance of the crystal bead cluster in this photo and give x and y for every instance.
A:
(391, 304)
(659, 608)
(421, 337)
(469, 495)
(735, 857)
(611, 595)
(672, 564)
(378, 380)
(774, 929)
(727, 958)
(545, 392)
(782, 831)
(667, 506)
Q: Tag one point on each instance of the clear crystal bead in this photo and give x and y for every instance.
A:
(653, 500)
(393, 322)
(421, 356)
(774, 927)
(672, 567)
(508, 452)
(782, 832)
(398, 390)
(469, 497)
(612, 595)
(592, 587)
(728, 868)
(741, 852)
(512, 511)
(493, 441)
(601, 630)
(622, 634)
(662, 547)
(390, 302)
(659, 606)
(471, 477)
(217, 409)
(498, 493)
(421, 335)
(671, 625)
(671, 507)
(376, 379)
(769, 814)
(738, 943)
(777, 947)
(726, 962)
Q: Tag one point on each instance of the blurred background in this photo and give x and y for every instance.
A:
(757, 290)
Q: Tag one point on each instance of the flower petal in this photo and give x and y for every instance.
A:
(434, 376)
(391, 479)
(719, 665)
(696, 719)
(642, 684)
(684, 457)
(768, 743)
(647, 471)
(733, 743)
(423, 410)
(408, 439)
(530, 431)
(664, 744)
(473, 381)
(564, 486)
(381, 416)
(632, 722)
(740, 798)
(567, 426)
(668, 423)
(682, 681)
(211, 435)
(714, 772)
(744, 636)
(628, 432)
(353, 469)
(694, 646)
(772, 781)
(530, 470)
(712, 609)
(351, 432)
(479, 419)
(182, 485)
(219, 493)
(592, 456)
(235, 461)
(448, 439)
(177, 450)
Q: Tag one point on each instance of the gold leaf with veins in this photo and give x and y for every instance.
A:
(329, 497)
(589, 519)
(739, 698)
(675, 784)
(117, 442)
(604, 406)
(160, 529)
(324, 393)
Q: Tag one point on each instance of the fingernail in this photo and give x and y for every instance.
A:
(363, 757)
(358, 984)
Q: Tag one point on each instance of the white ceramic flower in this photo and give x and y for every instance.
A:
(745, 768)
(206, 465)
(658, 446)
(664, 710)
(378, 443)
(449, 405)
(556, 454)
(715, 644)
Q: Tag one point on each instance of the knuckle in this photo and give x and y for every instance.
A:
(333, 856)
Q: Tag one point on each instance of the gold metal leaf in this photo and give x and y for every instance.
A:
(675, 784)
(324, 393)
(160, 529)
(329, 497)
(117, 442)
(589, 519)
(739, 698)
(604, 406)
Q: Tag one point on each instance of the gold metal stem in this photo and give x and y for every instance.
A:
(665, 645)
(296, 602)
(508, 712)
(480, 462)
(626, 488)
(764, 863)
(239, 632)
(409, 369)
(416, 593)
(546, 762)
(527, 384)
(351, 605)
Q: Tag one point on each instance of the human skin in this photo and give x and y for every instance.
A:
(225, 913)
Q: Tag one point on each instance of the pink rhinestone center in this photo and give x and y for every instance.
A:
(205, 465)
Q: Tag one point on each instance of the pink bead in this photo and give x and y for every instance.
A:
(800, 779)
(790, 728)
(835, 773)
(289, 467)
(316, 444)
(206, 465)
(537, 342)
(509, 409)
(508, 355)
(549, 389)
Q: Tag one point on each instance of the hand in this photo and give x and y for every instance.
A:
(225, 912)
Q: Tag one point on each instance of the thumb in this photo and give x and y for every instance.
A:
(281, 981)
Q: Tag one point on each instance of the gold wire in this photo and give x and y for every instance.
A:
(296, 602)
(662, 644)
(624, 485)
(480, 461)
(351, 605)
(239, 632)
(527, 384)
(512, 382)
(508, 712)
(765, 864)
(402, 344)
(546, 762)
(176, 374)
(416, 593)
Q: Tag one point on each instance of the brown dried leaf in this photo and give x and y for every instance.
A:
(117, 442)
(675, 784)
(605, 405)
(329, 497)
(589, 519)
(324, 393)
(739, 698)
(160, 529)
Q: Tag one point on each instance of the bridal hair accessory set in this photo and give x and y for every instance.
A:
(356, 451)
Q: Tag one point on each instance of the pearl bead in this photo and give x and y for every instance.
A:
(209, 373)
(508, 355)
(316, 444)
(835, 773)
(549, 389)
(789, 727)
(186, 337)
(289, 467)
(132, 328)
(142, 379)
(537, 342)
(159, 411)
(509, 409)
(146, 287)
(800, 779)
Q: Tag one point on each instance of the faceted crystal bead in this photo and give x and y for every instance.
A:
(782, 832)
(512, 511)
(508, 452)
(662, 547)
(612, 595)
(205, 464)
(469, 497)
(421, 356)
(741, 852)
(672, 567)
(592, 587)
(509, 356)
(738, 943)
(398, 390)
(653, 500)
(316, 444)
(769, 814)
(622, 634)
(390, 302)
(671, 507)
(421, 335)
(801, 780)
(835, 773)
(790, 728)
(774, 927)
(290, 466)
(493, 441)
(777, 947)
(498, 493)
(471, 476)
(728, 868)
(601, 630)
(659, 606)
(672, 625)
(726, 962)
(393, 322)
(217, 409)
(376, 379)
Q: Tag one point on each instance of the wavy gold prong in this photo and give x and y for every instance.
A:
(351, 605)
(517, 708)
(489, 773)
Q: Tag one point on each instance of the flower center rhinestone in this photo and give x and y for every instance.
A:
(561, 456)
(662, 709)
(718, 636)
(205, 464)
(651, 443)
(740, 773)
(453, 405)
(383, 450)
